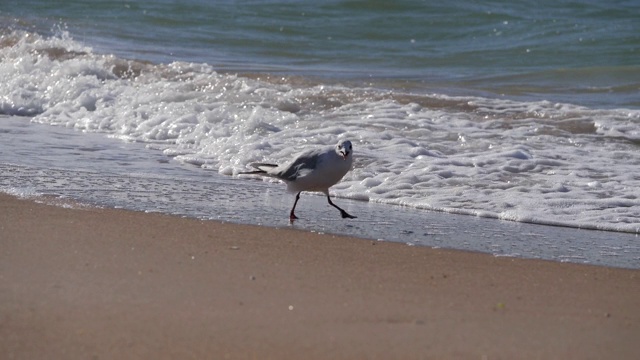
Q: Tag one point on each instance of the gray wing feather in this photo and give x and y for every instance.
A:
(306, 161)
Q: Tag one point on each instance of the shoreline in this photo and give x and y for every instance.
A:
(87, 167)
(109, 283)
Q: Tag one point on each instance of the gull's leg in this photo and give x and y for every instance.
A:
(342, 212)
(293, 216)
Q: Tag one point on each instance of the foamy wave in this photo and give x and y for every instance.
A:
(521, 161)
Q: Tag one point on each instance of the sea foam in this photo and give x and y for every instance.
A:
(538, 162)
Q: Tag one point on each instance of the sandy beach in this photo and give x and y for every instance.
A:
(113, 284)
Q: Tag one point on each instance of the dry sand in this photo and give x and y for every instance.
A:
(113, 284)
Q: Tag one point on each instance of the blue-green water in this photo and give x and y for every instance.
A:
(583, 52)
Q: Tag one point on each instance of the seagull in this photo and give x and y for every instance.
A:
(313, 170)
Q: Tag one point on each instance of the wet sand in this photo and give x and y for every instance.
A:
(115, 284)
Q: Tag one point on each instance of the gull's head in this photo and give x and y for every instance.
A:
(344, 149)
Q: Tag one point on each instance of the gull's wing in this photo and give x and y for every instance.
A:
(302, 165)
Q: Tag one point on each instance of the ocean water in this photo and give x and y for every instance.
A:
(521, 111)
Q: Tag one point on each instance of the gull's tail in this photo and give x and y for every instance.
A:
(263, 169)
